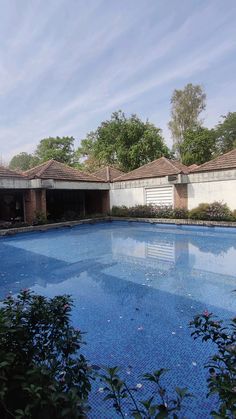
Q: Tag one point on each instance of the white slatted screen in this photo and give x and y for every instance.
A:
(163, 251)
(160, 196)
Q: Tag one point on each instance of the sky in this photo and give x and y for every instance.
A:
(66, 65)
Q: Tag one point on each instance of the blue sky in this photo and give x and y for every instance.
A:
(66, 65)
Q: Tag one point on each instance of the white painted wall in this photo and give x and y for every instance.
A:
(13, 183)
(133, 192)
(222, 190)
(128, 197)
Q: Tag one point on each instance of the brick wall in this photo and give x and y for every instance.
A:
(34, 201)
(181, 196)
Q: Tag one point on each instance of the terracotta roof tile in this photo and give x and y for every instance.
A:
(108, 173)
(157, 168)
(52, 169)
(5, 172)
(225, 161)
(192, 166)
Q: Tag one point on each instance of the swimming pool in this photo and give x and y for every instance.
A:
(136, 286)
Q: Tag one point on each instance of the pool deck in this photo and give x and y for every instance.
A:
(45, 227)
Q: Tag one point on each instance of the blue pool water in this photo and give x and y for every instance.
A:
(136, 286)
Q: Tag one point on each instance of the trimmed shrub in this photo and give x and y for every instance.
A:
(180, 213)
(199, 213)
(234, 215)
(122, 211)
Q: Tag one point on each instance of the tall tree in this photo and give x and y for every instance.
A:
(23, 161)
(198, 146)
(186, 106)
(226, 133)
(59, 148)
(125, 142)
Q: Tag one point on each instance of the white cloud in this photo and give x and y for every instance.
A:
(64, 69)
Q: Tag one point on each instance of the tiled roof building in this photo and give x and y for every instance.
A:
(157, 168)
(53, 169)
(108, 173)
(225, 161)
(5, 172)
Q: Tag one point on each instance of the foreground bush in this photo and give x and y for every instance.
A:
(158, 405)
(40, 376)
(221, 378)
(43, 375)
(222, 365)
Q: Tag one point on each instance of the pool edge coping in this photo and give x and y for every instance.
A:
(46, 227)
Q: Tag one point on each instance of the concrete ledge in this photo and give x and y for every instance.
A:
(46, 227)
(178, 221)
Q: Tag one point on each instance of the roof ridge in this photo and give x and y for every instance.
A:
(170, 162)
(178, 162)
(144, 165)
(46, 165)
(36, 167)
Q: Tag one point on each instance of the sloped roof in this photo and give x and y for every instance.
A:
(193, 166)
(225, 161)
(157, 168)
(108, 173)
(52, 169)
(5, 172)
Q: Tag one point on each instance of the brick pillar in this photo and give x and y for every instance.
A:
(105, 202)
(41, 204)
(34, 201)
(181, 196)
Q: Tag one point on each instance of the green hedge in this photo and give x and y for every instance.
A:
(215, 211)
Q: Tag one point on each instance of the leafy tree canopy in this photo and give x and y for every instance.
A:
(23, 161)
(59, 148)
(123, 142)
(187, 104)
(226, 133)
(198, 146)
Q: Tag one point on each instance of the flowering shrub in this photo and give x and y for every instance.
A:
(40, 377)
(142, 211)
(149, 211)
(180, 213)
(216, 211)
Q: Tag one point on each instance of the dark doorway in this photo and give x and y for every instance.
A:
(74, 204)
(11, 205)
(96, 202)
(65, 204)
